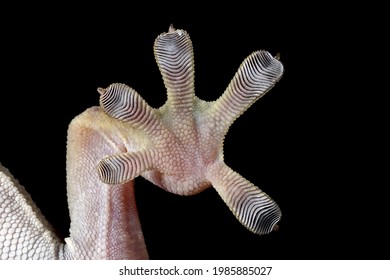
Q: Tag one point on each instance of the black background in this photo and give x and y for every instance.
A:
(309, 143)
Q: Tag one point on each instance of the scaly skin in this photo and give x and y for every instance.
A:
(178, 147)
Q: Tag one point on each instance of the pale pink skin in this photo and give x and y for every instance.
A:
(92, 136)
(178, 147)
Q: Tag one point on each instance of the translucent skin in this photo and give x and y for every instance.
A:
(178, 147)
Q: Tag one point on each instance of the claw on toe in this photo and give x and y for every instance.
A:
(101, 90)
(171, 28)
